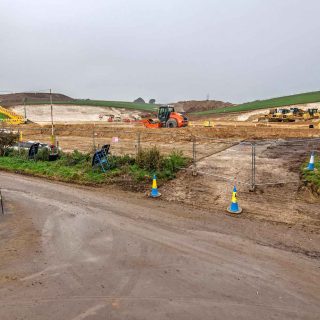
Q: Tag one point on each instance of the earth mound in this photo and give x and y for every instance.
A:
(194, 105)
(13, 99)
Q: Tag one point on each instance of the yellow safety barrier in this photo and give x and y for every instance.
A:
(13, 118)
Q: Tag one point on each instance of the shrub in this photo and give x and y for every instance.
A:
(149, 159)
(120, 161)
(7, 139)
(76, 157)
(22, 153)
(174, 161)
(43, 154)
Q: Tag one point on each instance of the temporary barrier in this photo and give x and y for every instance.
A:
(100, 158)
(33, 151)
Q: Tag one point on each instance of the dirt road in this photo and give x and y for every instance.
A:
(79, 253)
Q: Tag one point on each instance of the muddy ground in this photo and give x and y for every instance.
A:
(81, 253)
(280, 195)
(71, 252)
(84, 136)
(221, 157)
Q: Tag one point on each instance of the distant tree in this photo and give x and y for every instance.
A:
(139, 100)
(152, 101)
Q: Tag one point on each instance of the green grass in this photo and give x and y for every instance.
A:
(302, 98)
(76, 167)
(103, 103)
(312, 176)
(2, 116)
(55, 169)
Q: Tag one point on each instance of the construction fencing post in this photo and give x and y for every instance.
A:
(19, 139)
(138, 145)
(194, 156)
(1, 203)
(253, 167)
(93, 138)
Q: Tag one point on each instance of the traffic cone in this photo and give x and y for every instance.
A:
(311, 162)
(154, 192)
(234, 206)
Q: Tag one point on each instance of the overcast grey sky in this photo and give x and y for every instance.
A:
(234, 50)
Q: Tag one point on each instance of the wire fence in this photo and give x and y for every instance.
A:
(251, 163)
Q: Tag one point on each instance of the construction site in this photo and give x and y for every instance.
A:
(257, 156)
(159, 160)
(220, 148)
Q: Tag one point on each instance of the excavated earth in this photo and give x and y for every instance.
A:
(280, 195)
(69, 252)
(221, 157)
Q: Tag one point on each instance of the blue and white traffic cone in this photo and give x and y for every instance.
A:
(154, 192)
(311, 162)
(234, 206)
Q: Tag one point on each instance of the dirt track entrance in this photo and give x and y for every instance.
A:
(279, 196)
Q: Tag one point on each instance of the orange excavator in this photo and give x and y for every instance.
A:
(167, 118)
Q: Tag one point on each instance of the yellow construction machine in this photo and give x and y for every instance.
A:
(311, 114)
(290, 115)
(278, 115)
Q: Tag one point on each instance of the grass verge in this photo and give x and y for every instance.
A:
(133, 173)
(312, 177)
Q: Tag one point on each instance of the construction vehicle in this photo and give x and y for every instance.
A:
(167, 118)
(11, 117)
(311, 114)
(290, 115)
(279, 115)
(110, 118)
(283, 115)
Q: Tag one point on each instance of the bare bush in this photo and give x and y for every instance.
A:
(7, 139)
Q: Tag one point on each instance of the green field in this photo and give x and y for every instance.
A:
(270, 103)
(103, 103)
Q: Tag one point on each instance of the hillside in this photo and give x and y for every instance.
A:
(13, 99)
(296, 99)
(109, 104)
